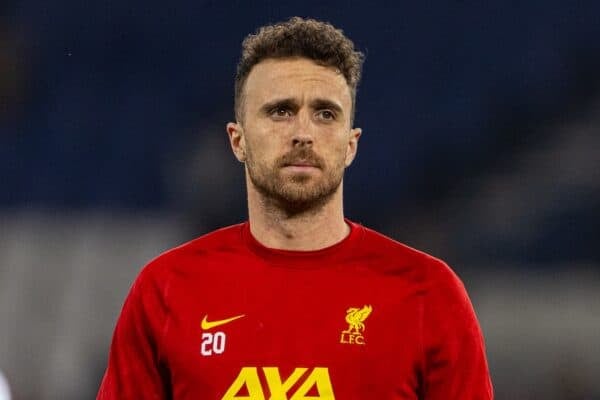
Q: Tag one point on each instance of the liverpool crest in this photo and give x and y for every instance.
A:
(355, 317)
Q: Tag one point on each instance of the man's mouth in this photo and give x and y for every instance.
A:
(301, 163)
(301, 166)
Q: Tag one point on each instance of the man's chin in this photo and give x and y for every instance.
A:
(298, 193)
(297, 199)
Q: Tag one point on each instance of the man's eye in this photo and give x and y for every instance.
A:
(280, 112)
(326, 115)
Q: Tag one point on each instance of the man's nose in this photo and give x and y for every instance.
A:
(303, 131)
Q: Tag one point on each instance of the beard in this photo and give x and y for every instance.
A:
(299, 192)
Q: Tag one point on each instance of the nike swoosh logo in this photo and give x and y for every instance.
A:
(213, 324)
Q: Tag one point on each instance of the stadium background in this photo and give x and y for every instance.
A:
(481, 146)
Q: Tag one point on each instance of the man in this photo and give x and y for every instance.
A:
(298, 302)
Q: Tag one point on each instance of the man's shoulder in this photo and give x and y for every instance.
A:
(227, 239)
(399, 255)
(375, 241)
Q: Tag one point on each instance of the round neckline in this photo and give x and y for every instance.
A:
(303, 258)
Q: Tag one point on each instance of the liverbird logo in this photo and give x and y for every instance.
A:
(355, 317)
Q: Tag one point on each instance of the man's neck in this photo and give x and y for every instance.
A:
(313, 229)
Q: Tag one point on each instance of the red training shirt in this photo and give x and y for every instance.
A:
(223, 317)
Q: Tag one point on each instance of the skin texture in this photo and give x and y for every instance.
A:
(295, 141)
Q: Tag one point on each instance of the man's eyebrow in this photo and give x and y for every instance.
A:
(319, 104)
(288, 103)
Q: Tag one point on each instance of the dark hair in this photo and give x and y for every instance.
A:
(298, 37)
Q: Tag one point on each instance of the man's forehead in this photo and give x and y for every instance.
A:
(280, 77)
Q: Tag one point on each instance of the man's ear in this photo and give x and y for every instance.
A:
(237, 140)
(352, 145)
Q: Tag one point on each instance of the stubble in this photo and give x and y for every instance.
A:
(297, 193)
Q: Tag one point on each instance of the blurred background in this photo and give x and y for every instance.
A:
(481, 146)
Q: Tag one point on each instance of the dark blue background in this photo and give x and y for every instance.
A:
(107, 94)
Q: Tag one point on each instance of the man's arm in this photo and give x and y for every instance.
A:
(455, 362)
(134, 370)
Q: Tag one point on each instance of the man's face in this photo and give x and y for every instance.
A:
(295, 137)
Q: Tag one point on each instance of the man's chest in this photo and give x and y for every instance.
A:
(294, 335)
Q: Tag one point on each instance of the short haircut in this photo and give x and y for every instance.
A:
(318, 41)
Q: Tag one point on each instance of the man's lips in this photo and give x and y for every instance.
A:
(301, 164)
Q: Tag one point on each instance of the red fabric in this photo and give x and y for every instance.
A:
(421, 339)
